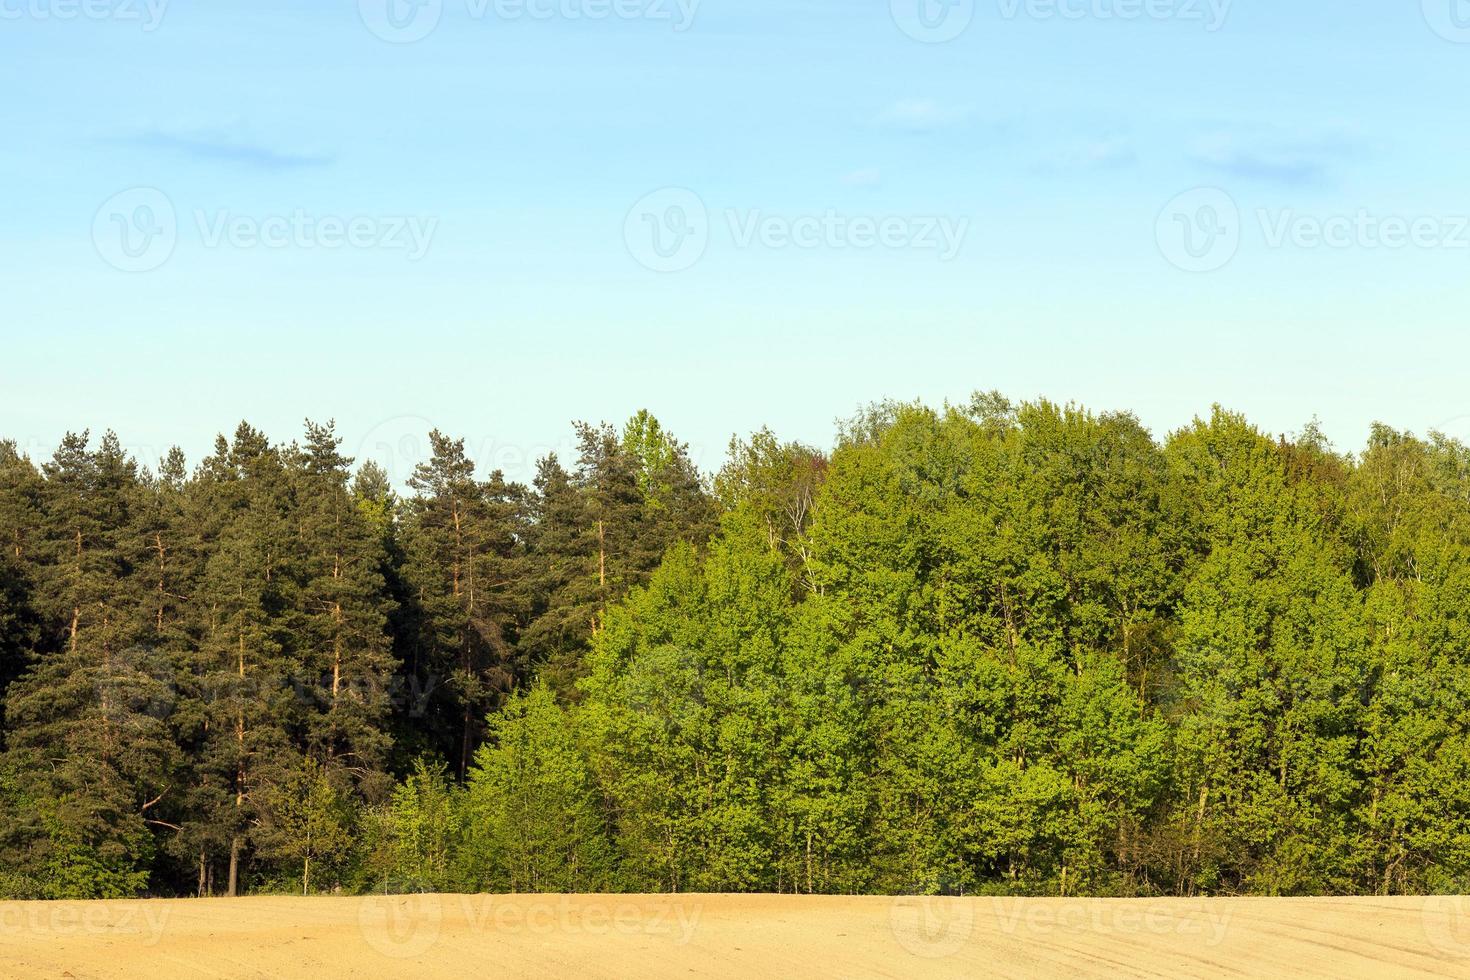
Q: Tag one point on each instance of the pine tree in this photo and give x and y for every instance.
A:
(339, 627)
(86, 731)
(464, 546)
(608, 478)
(560, 542)
(21, 489)
(20, 527)
(19, 629)
(247, 680)
(602, 531)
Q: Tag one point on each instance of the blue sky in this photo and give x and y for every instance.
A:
(218, 209)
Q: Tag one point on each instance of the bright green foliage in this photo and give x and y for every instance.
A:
(777, 483)
(602, 530)
(683, 700)
(652, 450)
(407, 844)
(1271, 666)
(972, 564)
(1408, 507)
(423, 820)
(307, 821)
(1017, 649)
(531, 819)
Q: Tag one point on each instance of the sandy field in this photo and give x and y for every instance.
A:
(734, 936)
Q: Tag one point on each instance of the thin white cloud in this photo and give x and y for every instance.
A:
(867, 177)
(1105, 153)
(921, 115)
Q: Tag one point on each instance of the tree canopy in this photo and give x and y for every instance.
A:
(991, 647)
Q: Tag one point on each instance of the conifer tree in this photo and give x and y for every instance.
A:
(20, 526)
(247, 679)
(19, 628)
(602, 530)
(464, 544)
(339, 628)
(92, 753)
(560, 541)
(21, 487)
(1012, 648)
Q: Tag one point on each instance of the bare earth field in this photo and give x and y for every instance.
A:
(734, 936)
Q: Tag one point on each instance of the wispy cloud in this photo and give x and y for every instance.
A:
(1293, 160)
(867, 177)
(224, 148)
(920, 115)
(1106, 153)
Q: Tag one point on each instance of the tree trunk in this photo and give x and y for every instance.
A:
(234, 867)
(464, 743)
(601, 555)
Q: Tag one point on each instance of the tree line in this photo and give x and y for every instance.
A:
(987, 648)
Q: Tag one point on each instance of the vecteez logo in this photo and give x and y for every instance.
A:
(932, 21)
(147, 14)
(1450, 19)
(139, 923)
(670, 230)
(932, 927)
(1199, 231)
(667, 230)
(938, 21)
(1212, 14)
(407, 21)
(138, 230)
(410, 234)
(402, 926)
(1202, 230)
(1446, 921)
(401, 21)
